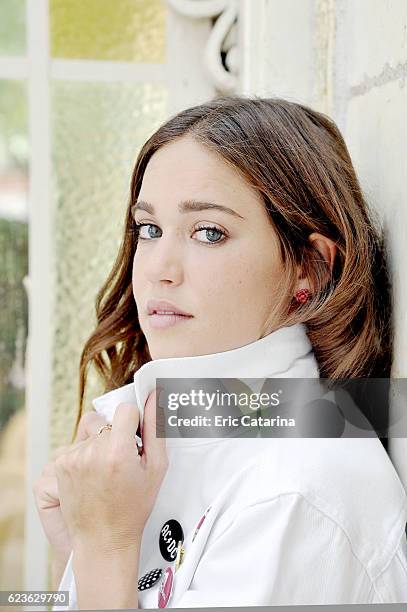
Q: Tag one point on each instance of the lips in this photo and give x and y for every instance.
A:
(162, 307)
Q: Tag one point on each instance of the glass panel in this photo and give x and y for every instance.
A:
(12, 27)
(98, 129)
(126, 30)
(13, 328)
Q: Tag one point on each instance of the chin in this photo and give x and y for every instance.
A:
(162, 348)
(162, 354)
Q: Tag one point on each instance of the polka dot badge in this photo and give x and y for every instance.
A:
(149, 579)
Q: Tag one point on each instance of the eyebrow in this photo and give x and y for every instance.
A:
(187, 206)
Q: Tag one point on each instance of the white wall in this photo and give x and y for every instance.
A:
(347, 58)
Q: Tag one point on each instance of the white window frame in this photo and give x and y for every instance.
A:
(188, 83)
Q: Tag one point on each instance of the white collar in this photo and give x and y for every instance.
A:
(284, 353)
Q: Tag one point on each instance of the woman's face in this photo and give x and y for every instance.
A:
(224, 276)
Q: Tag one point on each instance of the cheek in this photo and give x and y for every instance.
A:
(223, 283)
(245, 284)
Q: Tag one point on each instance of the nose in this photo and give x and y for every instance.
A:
(165, 261)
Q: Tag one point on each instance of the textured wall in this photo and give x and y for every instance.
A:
(349, 60)
(370, 102)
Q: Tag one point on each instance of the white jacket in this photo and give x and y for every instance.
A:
(289, 520)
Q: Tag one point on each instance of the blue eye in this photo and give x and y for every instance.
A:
(141, 225)
(214, 235)
(211, 232)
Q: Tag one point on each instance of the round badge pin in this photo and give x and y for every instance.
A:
(165, 590)
(149, 579)
(170, 534)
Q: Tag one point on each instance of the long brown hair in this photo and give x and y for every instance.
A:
(297, 161)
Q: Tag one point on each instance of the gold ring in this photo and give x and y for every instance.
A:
(108, 426)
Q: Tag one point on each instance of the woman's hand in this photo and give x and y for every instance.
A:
(107, 490)
(46, 492)
(46, 497)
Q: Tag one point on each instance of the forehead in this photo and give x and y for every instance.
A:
(185, 169)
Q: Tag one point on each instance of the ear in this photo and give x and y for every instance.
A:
(327, 249)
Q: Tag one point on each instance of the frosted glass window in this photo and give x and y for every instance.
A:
(126, 30)
(98, 129)
(13, 245)
(12, 27)
(13, 328)
(13, 133)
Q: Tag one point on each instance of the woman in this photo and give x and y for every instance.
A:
(248, 251)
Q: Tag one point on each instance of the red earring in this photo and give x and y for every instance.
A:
(302, 295)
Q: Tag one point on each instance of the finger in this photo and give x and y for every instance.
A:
(58, 451)
(47, 493)
(52, 490)
(89, 425)
(68, 450)
(154, 447)
(49, 469)
(124, 425)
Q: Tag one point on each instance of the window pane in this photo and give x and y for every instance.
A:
(126, 30)
(13, 328)
(12, 27)
(98, 129)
